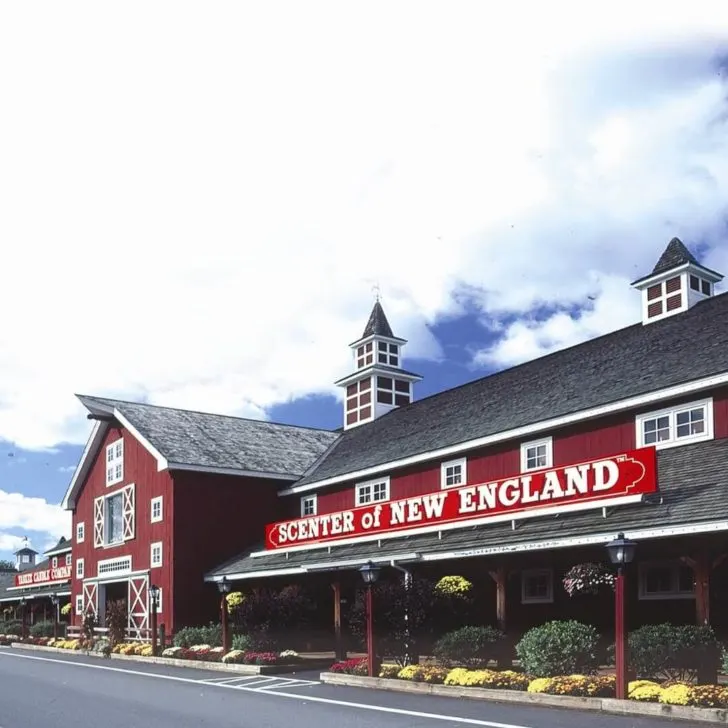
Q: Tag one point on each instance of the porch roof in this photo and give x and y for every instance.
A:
(692, 499)
(10, 593)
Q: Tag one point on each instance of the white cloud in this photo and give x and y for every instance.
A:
(197, 200)
(9, 542)
(19, 512)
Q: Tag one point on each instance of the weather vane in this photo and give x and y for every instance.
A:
(377, 291)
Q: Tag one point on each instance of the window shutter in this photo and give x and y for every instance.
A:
(128, 512)
(98, 522)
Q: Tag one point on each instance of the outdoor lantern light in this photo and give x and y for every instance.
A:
(154, 591)
(621, 550)
(369, 572)
(223, 585)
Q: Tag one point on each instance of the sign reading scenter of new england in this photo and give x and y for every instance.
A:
(573, 487)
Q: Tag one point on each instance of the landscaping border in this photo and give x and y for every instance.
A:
(174, 662)
(604, 705)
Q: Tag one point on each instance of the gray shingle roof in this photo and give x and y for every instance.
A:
(693, 481)
(626, 363)
(217, 441)
(674, 255)
(377, 324)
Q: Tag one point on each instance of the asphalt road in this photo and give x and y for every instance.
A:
(57, 691)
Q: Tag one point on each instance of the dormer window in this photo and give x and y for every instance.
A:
(308, 506)
(388, 354)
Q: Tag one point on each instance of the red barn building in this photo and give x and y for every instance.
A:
(515, 477)
(161, 495)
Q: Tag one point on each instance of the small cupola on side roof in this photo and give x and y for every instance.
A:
(378, 383)
(25, 557)
(677, 282)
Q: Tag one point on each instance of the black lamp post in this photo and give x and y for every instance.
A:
(370, 573)
(621, 552)
(54, 602)
(154, 593)
(224, 586)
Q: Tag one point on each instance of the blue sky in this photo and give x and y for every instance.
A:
(205, 229)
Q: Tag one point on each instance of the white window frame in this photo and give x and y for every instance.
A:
(114, 460)
(362, 487)
(54, 562)
(530, 573)
(311, 499)
(526, 446)
(25, 558)
(79, 568)
(79, 604)
(158, 500)
(69, 559)
(152, 547)
(462, 463)
(672, 413)
(675, 567)
(80, 531)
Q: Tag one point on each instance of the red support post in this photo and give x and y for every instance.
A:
(620, 653)
(224, 621)
(370, 631)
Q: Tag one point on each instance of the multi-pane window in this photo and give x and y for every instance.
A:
(114, 530)
(536, 586)
(387, 354)
(700, 285)
(365, 355)
(308, 505)
(666, 580)
(452, 473)
(377, 490)
(157, 509)
(80, 532)
(79, 568)
(69, 559)
(79, 604)
(54, 562)
(537, 454)
(393, 391)
(156, 554)
(115, 462)
(690, 422)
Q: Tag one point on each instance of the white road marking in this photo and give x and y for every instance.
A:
(292, 696)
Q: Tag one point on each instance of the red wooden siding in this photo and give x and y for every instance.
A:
(216, 518)
(140, 468)
(584, 441)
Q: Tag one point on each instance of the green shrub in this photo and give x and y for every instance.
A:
(559, 648)
(41, 629)
(469, 646)
(210, 634)
(672, 652)
(13, 626)
(241, 642)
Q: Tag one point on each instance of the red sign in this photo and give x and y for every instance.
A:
(630, 473)
(42, 576)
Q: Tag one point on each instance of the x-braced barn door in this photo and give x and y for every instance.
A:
(138, 607)
(91, 598)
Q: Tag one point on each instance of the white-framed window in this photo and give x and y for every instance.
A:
(115, 462)
(155, 556)
(54, 562)
(69, 559)
(387, 354)
(25, 558)
(79, 603)
(666, 580)
(309, 505)
(159, 601)
(682, 424)
(157, 513)
(80, 532)
(79, 568)
(537, 454)
(537, 586)
(700, 285)
(453, 473)
(114, 519)
(373, 491)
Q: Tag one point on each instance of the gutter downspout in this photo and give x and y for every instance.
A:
(407, 585)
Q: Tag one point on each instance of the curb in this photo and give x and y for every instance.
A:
(172, 662)
(604, 705)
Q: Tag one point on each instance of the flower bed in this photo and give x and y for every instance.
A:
(588, 686)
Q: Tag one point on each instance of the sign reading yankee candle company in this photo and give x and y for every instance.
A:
(630, 473)
(42, 576)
